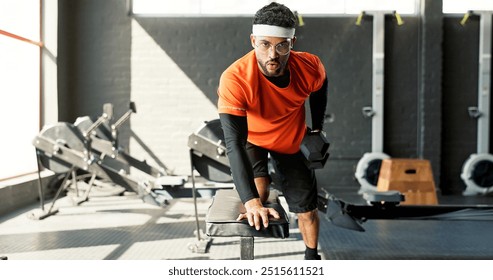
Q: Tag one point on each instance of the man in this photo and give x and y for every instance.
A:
(261, 108)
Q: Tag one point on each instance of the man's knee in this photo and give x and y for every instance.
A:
(309, 217)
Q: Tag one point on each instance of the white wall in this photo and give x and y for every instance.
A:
(169, 105)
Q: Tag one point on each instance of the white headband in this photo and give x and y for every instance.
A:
(272, 31)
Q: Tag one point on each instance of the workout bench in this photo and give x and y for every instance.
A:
(221, 221)
(208, 157)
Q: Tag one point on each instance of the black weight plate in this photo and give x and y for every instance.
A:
(211, 169)
(373, 171)
(482, 173)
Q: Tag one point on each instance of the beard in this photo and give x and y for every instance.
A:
(273, 67)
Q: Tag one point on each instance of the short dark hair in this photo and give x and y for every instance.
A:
(275, 14)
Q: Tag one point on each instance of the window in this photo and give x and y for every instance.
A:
(248, 8)
(19, 85)
(462, 6)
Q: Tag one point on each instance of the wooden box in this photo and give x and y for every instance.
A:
(412, 177)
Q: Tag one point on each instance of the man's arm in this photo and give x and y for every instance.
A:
(318, 104)
(235, 135)
(235, 130)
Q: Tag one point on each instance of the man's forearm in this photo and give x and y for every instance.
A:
(235, 134)
(318, 104)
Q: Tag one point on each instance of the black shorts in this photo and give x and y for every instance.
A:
(297, 182)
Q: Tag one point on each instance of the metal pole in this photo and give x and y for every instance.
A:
(378, 80)
(40, 183)
(484, 74)
(247, 248)
(199, 238)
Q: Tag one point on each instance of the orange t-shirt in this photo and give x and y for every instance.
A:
(275, 116)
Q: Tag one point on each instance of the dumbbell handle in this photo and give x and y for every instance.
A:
(314, 147)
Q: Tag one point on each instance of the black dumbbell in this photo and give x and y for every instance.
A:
(315, 149)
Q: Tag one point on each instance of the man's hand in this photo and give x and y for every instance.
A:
(256, 214)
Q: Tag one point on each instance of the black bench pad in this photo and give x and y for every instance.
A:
(225, 208)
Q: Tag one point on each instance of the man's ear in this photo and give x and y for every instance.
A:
(252, 40)
(293, 41)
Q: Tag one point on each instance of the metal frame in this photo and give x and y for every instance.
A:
(482, 111)
(484, 88)
(376, 111)
(378, 60)
(247, 248)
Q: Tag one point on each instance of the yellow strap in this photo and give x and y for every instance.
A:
(465, 18)
(360, 18)
(399, 19)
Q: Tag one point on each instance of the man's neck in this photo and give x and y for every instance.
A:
(280, 81)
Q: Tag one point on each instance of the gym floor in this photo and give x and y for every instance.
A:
(123, 227)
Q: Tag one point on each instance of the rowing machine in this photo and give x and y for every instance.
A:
(105, 144)
(386, 205)
(66, 148)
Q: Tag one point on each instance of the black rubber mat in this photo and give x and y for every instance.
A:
(410, 239)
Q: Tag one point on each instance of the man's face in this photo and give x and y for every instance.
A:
(272, 54)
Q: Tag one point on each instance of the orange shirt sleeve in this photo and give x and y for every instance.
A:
(318, 70)
(321, 73)
(231, 96)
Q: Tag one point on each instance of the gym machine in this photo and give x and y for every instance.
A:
(477, 171)
(104, 142)
(208, 158)
(86, 147)
(368, 167)
(386, 205)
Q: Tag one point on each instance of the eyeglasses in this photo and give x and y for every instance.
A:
(282, 48)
